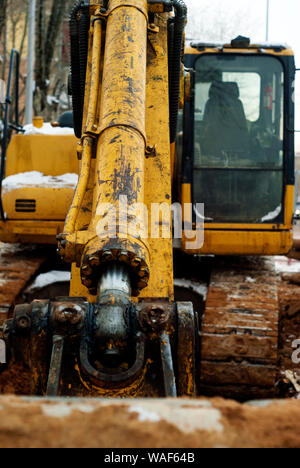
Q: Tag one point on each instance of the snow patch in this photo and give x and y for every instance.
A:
(63, 410)
(272, 215)
(286, 265)
(144, 415)
(12, 249)
(192, 419)
(51, 277)
(38, 179)
(250, 280)
(85, 408)
(260, 403)
(52, 100)
(57, 411)
(47, 129)
(188, 416)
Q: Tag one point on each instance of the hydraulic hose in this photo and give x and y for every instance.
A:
(84, 26)
(79, 47)
(179, 25)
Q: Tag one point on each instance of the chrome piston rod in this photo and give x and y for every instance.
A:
(114, 291)
(115, 278)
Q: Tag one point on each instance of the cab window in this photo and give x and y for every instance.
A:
(238, 137)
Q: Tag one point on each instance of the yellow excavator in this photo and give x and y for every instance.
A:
(159, 130)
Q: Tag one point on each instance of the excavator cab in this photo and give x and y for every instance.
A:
(238, 147)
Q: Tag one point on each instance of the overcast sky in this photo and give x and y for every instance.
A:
(248, 18)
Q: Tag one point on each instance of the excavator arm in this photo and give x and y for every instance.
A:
(120, 333)
(122, 330)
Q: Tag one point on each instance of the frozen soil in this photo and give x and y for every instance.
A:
(214, 423)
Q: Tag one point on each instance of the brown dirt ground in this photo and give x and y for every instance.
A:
(15, 380)
(91, 425)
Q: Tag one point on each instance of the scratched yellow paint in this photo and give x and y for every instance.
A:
(49, 154)
(127, 124)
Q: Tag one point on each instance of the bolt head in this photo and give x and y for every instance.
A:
(23, 322)
(107, 256)
(68, 313)
(94, 261)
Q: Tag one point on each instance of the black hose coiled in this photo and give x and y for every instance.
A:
(170, 50)
(84, 26)
(175, 65)
(79, 50)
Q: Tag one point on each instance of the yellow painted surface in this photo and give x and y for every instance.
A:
(232, 239)
(52, 155)
(77, 289)
(50, 203)
(289, 205)
(158, 169)
(228, 49)
(246, 243)
(246, 239)
(134, 112)
(49, 154)
(30, 232)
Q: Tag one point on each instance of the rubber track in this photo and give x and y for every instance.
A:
(239, 333)
(18, 264)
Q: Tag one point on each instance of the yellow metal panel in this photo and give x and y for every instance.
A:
(77, 289)
(246, 243)
(186, 198)
(50, 203)
(271, 239)
(158, 168)
(49, 154)
(193, 51)
(52, 155)
(30, 232)
(289, 205)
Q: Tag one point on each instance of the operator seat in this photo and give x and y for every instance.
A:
(224, 123)
(66, 120)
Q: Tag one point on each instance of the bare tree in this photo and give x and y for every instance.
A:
(13, 32)
(50, 17)
(3, 9)
(215, 21)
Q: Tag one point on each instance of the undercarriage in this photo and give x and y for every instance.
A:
(228, 334)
